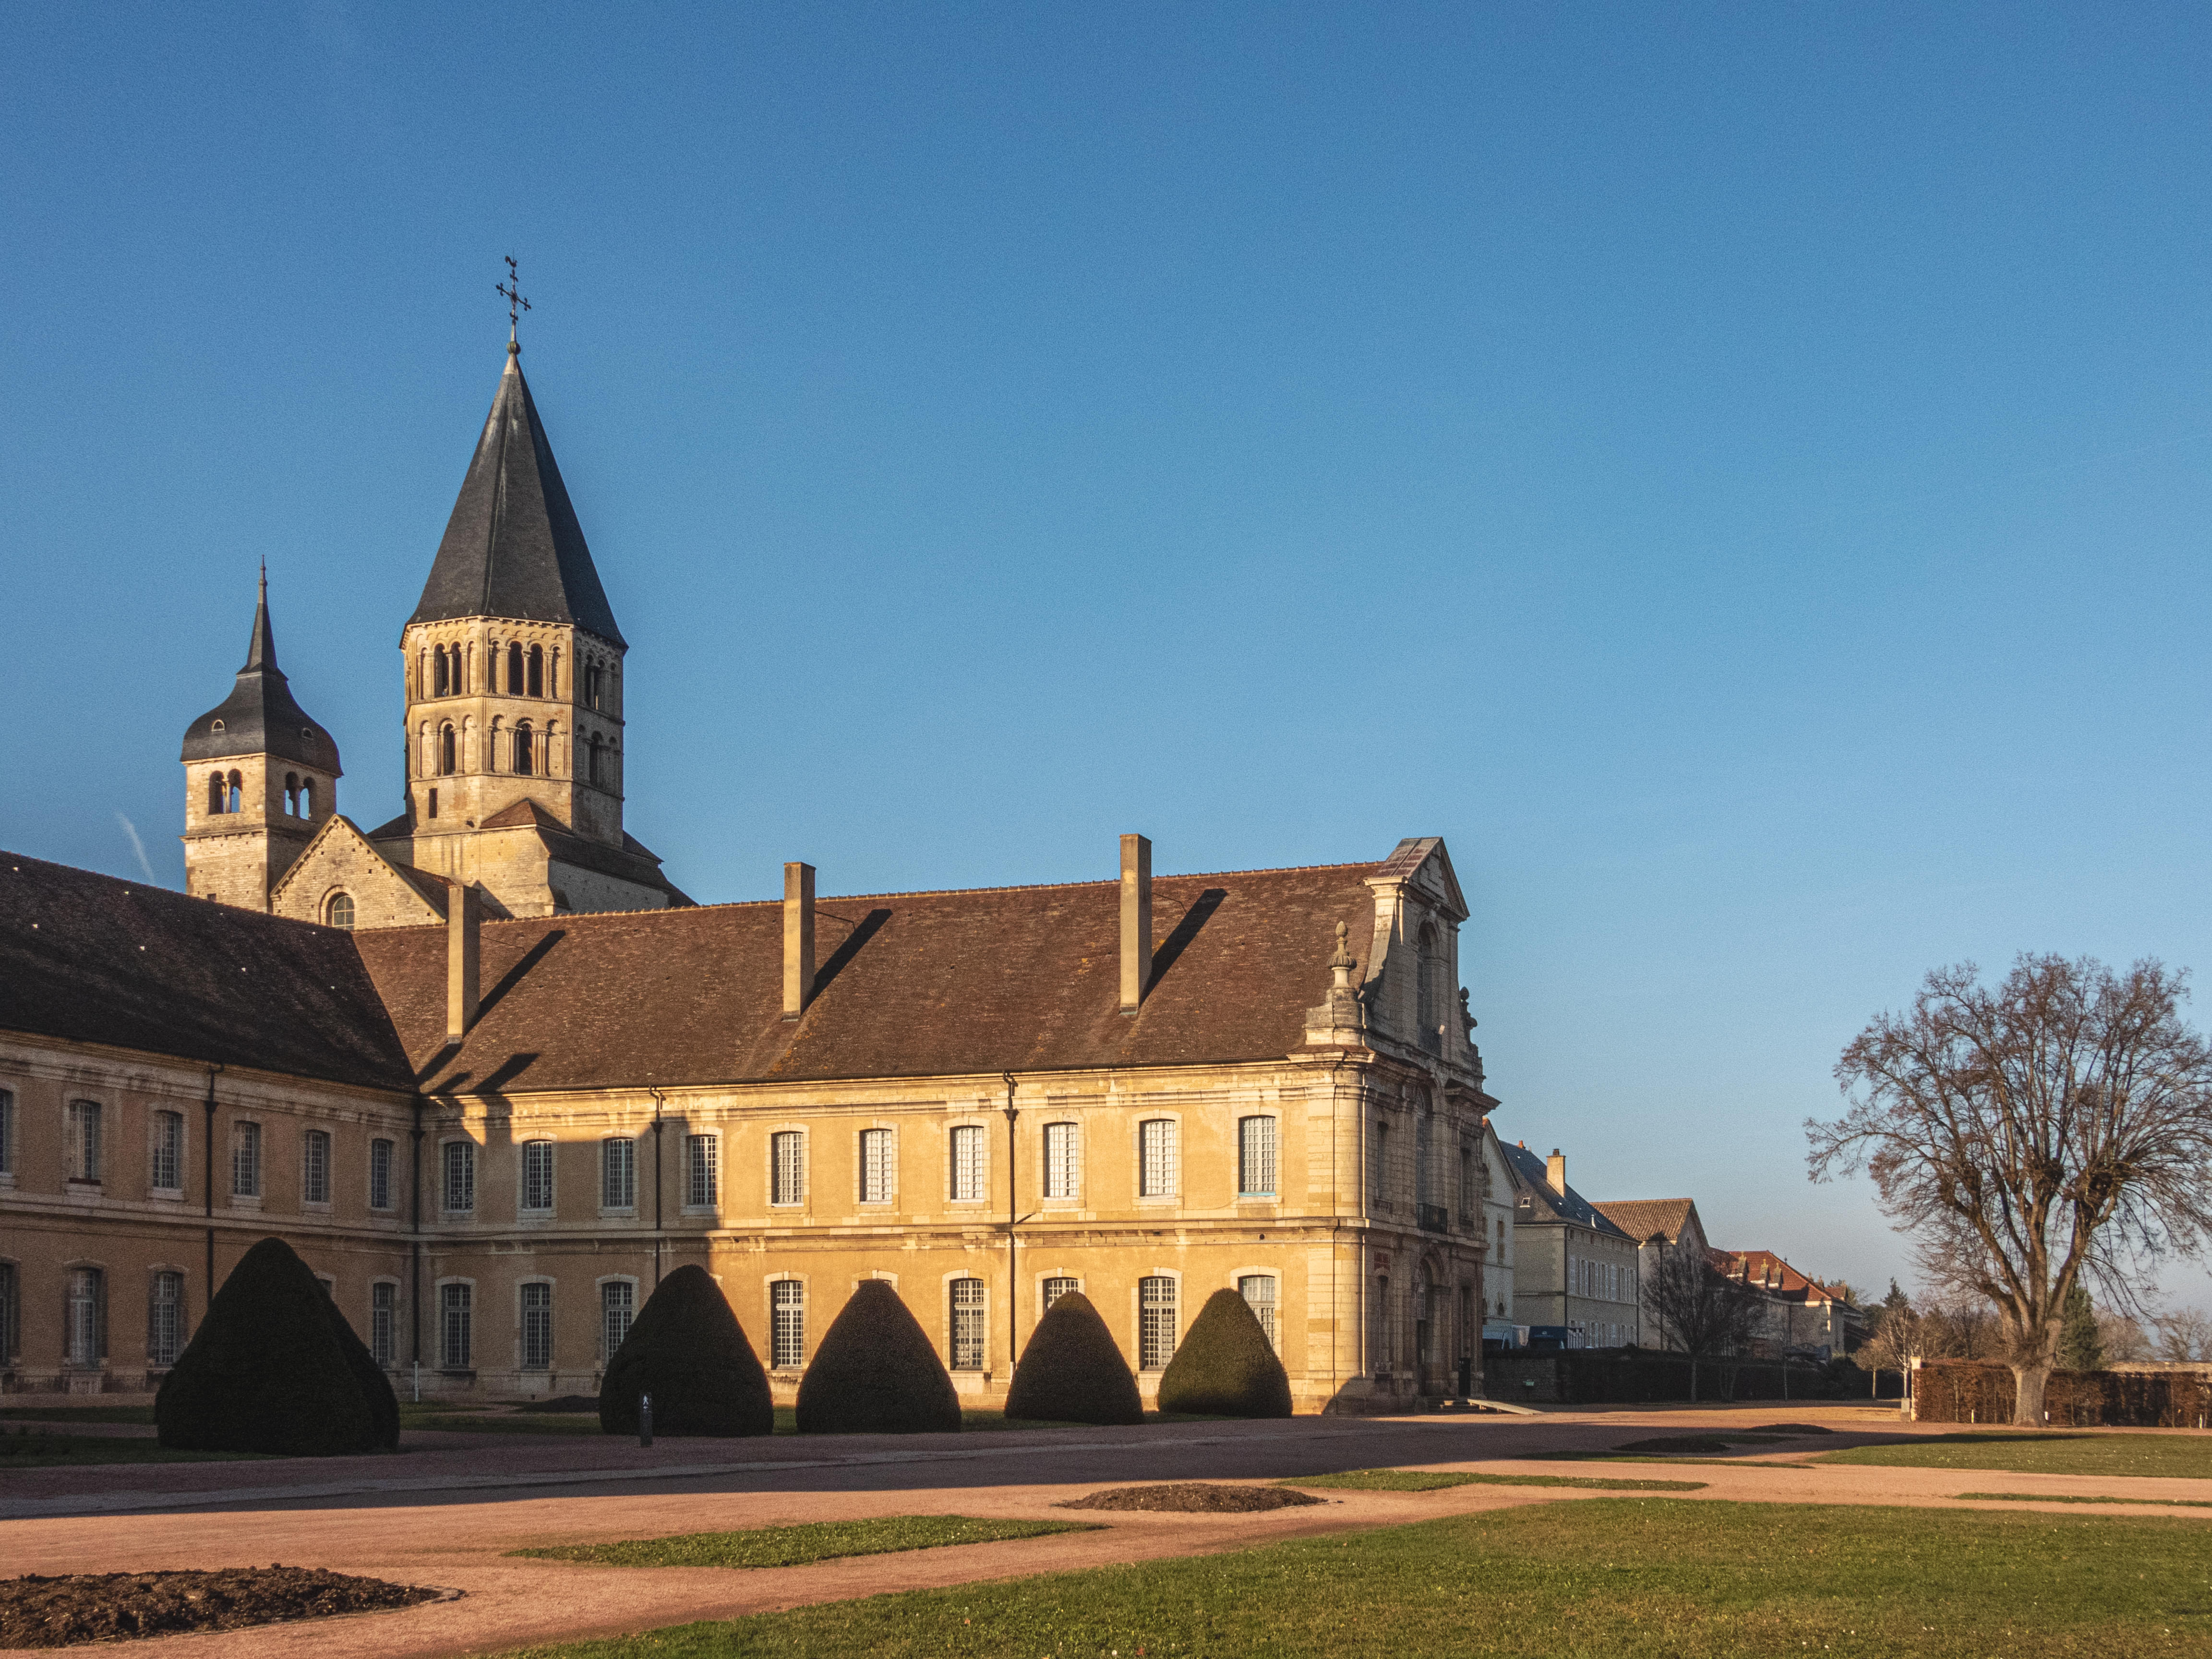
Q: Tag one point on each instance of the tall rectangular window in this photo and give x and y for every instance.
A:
(538, 1176)
(84, 1139)
(1470, 1189)
(245, 1160)
(617, 1308)
(165, 1319)
(1378, 1167)
(384, 1321)
(1158, 1161)
(1255, 1157)
(1258, 1290)
(460, 1194)
(1063, 1162)
(456, 1333)
(11, 1311)
(7, 1133)
(1156, 1323)
(967, 1327)
(380, 1174)
(786, 1159)
(1056, 1288)
(877, 1185)
(1383, 1325)
(618, 1173)
(971, 1163)
(86, 1333)
(315, 1167)
(167, 1173)
(787, 1324)
(537, 1328)
(699, 1184)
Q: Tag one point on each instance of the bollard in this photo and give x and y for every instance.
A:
(645, 1419)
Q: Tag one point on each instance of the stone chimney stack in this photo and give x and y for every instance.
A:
(464, 949)
(1136, 920)
(798, 938)
(1555, 1171)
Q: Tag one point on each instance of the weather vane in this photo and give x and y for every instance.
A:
(511, 291)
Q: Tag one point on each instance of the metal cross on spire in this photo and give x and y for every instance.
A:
(511, 291)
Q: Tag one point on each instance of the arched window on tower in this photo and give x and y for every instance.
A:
(291, 794)
(595, 775)
(536, 673)
(445, 755)
(1429, 988)
(553, 674)
(214, 795)
(307, 798)
(592, 675)
(236, 801)
(513, 671)
(522, 757)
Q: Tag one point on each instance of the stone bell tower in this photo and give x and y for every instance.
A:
(260, 778)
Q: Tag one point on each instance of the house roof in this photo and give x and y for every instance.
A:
(1551, 1207)
(261, 715)
(1766, 1268)
(88, 958)
(908, 984)
(633, 861)
(514, 546)
(1642, 1218)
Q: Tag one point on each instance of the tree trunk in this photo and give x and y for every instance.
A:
(1693, 1379)
(2028, 1394)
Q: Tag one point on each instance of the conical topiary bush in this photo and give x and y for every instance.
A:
(375, 1386)
(265, 1371)
(875, 1373)
(1071, 1372)
(1225, 1366)
(687, 1349)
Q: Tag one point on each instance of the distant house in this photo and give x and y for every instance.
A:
(1498, 1211)
(1575, 1280)
(1657, 1225)
(1801, 1314)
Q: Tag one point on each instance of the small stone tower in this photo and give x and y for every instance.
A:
(260, 778)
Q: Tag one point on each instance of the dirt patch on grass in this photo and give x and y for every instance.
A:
(1676, 1443)
(1792, 1429)
(1193, 1497)
(56, 1613)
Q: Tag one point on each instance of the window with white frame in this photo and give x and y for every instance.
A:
(6, 1135)
(384, 1323)
(1258, 1290)
(787, 1324)
(315, 1167)
(618, 1173)
(456, 1326)
(1056, 1288)
(245, 1160)
(1158, 1157)
(85, 1337)
(537, 1328)
(84, 1141)
(1063, 1161)
(380, 1174)
(1255, 1157)
(460, 1177)
(165, 1318)
(166, 1173)
(1156, 1322)
(968, 1325)
(537, 1176)
(617, 1309)
(971, 1163)
(701, 1171)
(786, 1165)
(878, 1185)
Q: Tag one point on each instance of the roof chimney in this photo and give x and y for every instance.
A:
(798, 938)
(1136, 920)
(464, 946)
(1555, 1172)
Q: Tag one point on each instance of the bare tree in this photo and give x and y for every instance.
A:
(2184, 1334)
(1700, 1309)
(2053, 1127)
(2122, 1338)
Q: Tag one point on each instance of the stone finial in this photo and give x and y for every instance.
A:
(1342, 1014)
(1465, 1017)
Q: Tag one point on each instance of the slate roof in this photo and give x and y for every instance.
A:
(91, 959)
(1772, 1274)
(1551, 1208)
(260, 715)
(633, 861)
(909, 985)
(513, 547)
(1641, 1217)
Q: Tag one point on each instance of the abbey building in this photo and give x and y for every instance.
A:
(493, 1074)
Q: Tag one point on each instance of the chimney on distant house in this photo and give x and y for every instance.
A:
(798, 938)
(1555, 1172)
(464, 949)
(1136, 920)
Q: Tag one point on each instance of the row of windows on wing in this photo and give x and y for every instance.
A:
(522, 751)
(226, 794)
(510, 670)
(85, 1154)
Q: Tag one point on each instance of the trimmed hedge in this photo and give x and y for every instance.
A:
(686, 1349)
(1976, 1391)
(1071, 1370)
(375, 1386)
(1225, 1366)
(876, 1372)
(268, 1372)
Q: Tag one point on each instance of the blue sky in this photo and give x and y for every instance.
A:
(1737, 472)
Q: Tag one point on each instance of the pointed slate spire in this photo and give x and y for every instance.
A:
(261, 654)
(261, 716)
(513, 547)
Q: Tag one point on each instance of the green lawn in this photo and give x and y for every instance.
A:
(793, 1547)
(1605, 1578)
(2032, 1451)
(50, 1451)
(2048, 1497)
(1437, 1479)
